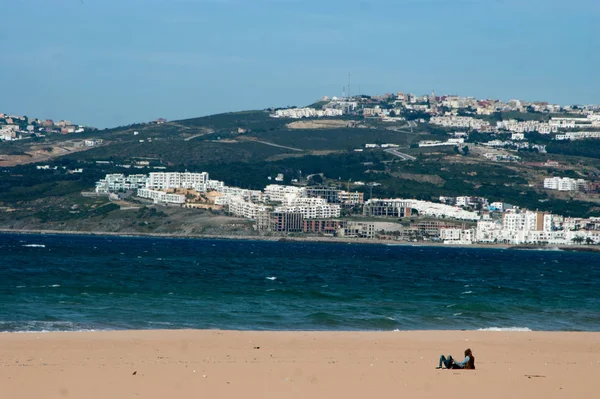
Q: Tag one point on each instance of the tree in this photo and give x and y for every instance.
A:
(578, 239)
(466, 150)
(588, 241)
(316, 179)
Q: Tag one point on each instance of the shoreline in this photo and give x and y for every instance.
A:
(184, 331)
(296, 364)
(569, 248)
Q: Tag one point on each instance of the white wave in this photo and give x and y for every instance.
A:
(467, 292)
(271, 278)
(55, 285)
(457, 314)
(548, 249)
(504, 329)
(40, 326)
(34, 245)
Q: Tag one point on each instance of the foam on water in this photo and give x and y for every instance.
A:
(34, 246)
(510, 329)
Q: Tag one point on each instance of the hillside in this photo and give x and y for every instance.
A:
(244, 149)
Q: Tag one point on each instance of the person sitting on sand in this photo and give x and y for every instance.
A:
(449, 363)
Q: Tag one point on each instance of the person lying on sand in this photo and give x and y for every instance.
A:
(449, 363)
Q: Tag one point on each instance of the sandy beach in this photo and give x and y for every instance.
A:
(232, 364)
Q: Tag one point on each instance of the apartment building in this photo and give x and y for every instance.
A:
(527, 221)
(565, 184)
(578, 136)
(335, 196)
(239, 207)
(466, 201)
(526, 126)
(161, 197)
(457, 236)
(431, 228)
(387, 207)
(297, 113)
(248, 195)
(569, 123)
(330, 227)
(351, 198)
(281, 193)
(459, 122)
(166, 180)
(358, 230)
(319, 211)
(113, 183)
(289, 222)
(331, 195)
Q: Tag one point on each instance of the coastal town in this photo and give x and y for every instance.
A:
(320, 210)
(16, 127)
(317, 205)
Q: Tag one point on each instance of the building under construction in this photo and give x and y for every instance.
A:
(389, 208)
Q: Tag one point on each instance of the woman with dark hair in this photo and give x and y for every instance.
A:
(449, 363)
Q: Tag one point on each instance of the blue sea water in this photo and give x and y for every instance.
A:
(67, 283)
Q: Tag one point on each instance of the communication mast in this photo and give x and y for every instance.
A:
(348, 84)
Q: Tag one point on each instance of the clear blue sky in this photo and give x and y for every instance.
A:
(113, 62)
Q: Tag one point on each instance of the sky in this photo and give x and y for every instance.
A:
(108, 63)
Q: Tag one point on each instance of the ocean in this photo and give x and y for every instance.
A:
(79, 283)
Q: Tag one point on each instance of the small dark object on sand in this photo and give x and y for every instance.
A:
(134, 373)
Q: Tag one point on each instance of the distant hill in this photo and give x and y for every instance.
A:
(245, 148)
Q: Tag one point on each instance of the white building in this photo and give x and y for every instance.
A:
(457, 236)
(578, 136)
(92, 142)
(281, 193)
(160, 197)
(9, 132)
(246, 195)
(166, 180)
(118, 181)
(570, 123)
(564, 184)
(526, 126)
(398, 207)
(321, 211)
(297, 113)
(500, 206)
(239, 207)
(459, 122)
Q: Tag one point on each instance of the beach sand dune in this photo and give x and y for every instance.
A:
(233, 364)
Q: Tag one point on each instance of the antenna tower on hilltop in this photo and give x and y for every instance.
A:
(348, 84)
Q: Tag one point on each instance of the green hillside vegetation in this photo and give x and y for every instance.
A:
(213, 144)
(583, 148)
